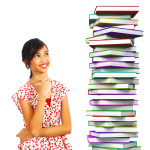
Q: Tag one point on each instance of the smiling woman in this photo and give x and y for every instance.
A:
(41, 100)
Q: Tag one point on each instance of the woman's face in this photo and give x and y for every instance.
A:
(41, 61)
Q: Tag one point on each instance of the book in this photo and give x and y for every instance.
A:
(102, 21)
(117, 129)
(93, 139)
(122, 10)
(110, 113)
(96, 75)
(101, 37)
(94, 17)
(113, 102)
(109, 69)
(114, 145)
(112, 53)
(113, 134)
(112, 107)
(113, 64)
(127, 26)
(121, 59)
(107, 118)
(131, 148)
(112, 123)
(114, 81)
(113, 97)
(111, 42)
(111, 86)
(120, 48)
(118, 32)
(112, 91)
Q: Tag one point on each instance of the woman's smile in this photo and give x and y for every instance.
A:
(44, 66)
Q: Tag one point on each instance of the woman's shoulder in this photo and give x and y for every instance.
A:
(57, 84)
(24, 89)
(60, 87)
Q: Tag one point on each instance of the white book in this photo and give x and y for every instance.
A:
(112, 107)
(102, 37)
(114, 145)
(112, 91)
(113, 102)
(110, 86)
(112, 124)
(113, 21)
(116, 30)
(124, 59)
(113, 134)
(109, 113)
(128, 26)
(114, 97)
(113, 53)
(113, 81)
(96, 16)
(114, 75)
(131, 148)
(119, 42)
(133, 70)
(117, 129)
(92, 139)
(102, 48)
(112, 118)
(113, 64)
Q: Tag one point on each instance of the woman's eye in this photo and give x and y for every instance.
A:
(37, 55)
(46, 53)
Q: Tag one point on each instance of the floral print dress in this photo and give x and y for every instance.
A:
(51, 116)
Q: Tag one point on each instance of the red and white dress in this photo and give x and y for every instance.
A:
(51, 116)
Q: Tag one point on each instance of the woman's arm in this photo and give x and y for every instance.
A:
(64, 128)
(34, 120)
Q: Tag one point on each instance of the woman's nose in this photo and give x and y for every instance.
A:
(43, 59)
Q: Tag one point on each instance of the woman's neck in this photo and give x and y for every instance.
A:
(37, 78)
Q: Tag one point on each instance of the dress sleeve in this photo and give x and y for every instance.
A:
(63, 91)
(23, 94)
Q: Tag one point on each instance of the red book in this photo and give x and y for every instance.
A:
(130, 10)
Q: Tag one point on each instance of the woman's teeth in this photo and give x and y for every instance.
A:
(43, 66)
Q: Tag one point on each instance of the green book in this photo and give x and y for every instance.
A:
(113, 53)
(131, 148)
(102, 21)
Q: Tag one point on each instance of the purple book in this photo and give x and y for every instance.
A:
(114, 64)
(114, 134)
(119, 32)
(92, 139)
(113, 102)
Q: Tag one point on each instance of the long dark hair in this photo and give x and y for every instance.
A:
(29, 50)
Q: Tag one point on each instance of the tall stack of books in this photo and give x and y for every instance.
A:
(114, 73)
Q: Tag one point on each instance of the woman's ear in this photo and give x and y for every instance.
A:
(25, 64)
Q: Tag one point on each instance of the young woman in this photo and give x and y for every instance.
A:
(43, 103)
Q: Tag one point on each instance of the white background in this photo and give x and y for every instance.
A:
(63, 26)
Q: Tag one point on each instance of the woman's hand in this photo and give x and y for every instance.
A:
(24, 135)
(45, 88)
